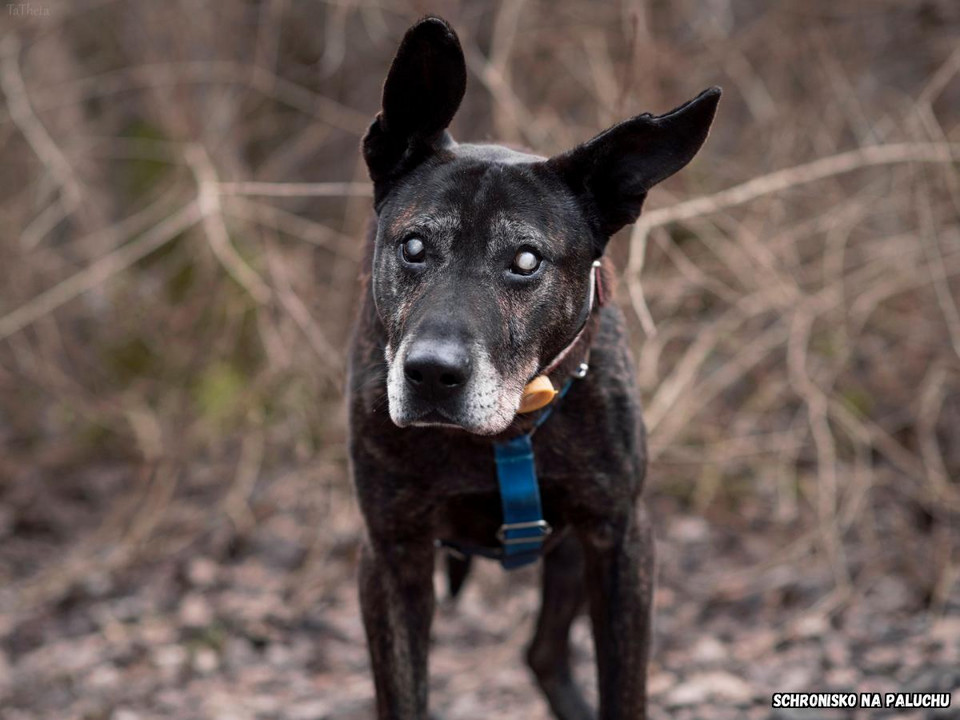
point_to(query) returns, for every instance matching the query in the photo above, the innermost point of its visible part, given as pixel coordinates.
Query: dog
(484, 290)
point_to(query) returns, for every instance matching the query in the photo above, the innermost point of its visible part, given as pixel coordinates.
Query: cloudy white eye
(525, 262)
(413, 250)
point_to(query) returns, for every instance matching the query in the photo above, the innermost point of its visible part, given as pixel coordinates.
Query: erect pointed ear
(613, 172)
(422, 92)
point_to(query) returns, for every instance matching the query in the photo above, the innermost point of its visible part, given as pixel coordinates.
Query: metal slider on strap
(542, 525)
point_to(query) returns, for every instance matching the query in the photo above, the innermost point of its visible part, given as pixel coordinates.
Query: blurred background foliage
(172, 337)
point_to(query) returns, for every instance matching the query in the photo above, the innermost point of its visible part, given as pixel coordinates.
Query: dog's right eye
(413, 250)
(526, 262)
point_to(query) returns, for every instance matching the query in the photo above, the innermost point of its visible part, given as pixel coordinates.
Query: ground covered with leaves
(258, 618)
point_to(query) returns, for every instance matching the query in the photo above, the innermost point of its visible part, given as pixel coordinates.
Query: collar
(539, 392)
(595, 294)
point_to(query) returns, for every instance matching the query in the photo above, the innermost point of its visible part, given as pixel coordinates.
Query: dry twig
(104, 268)
(208, 200)
(53, 159)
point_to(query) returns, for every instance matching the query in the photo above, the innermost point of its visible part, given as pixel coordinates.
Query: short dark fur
(431, 479)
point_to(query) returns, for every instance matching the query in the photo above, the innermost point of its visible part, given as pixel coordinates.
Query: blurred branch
(101, 270)
(45, 221)
(268, 34)
(504, 34)
(825, 445)
(799, 175)
(36, 135)
(294, 225)
(773, 183)
(216, 229)
(514, 113)
(165, 75)
(270, 189)
(291, 302)
(938, 273)
(131, 226)
(940, 79)
(236, 504)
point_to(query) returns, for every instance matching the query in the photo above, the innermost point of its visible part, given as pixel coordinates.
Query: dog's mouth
(493, 417)
(437, 418)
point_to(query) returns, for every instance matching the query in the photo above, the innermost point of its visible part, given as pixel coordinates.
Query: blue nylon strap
(524, 530)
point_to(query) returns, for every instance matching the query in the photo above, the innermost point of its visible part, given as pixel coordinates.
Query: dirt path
(266, 628)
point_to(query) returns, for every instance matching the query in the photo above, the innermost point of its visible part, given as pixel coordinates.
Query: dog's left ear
(422, 92)
(612, 173)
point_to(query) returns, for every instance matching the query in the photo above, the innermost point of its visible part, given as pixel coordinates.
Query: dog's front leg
(397, 600)
(619, 574)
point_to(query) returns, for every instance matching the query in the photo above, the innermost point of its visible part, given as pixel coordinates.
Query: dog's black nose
(437, 369)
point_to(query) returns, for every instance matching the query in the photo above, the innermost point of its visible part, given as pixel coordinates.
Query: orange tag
(538, 393)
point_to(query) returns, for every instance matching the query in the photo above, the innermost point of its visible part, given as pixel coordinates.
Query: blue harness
(524, 530)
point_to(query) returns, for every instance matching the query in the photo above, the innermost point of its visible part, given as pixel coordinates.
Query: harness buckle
(542, 525)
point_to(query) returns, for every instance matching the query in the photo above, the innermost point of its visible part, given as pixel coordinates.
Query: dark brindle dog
(481, 275)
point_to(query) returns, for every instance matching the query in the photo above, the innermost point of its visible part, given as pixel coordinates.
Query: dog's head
(481, 268)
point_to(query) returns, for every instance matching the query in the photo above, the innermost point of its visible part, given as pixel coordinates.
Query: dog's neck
(573, 361)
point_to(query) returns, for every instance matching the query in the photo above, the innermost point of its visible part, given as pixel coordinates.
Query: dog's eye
(525, 262)
(413, 250)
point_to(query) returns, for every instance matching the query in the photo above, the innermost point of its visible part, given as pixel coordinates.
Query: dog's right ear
(422, 92)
